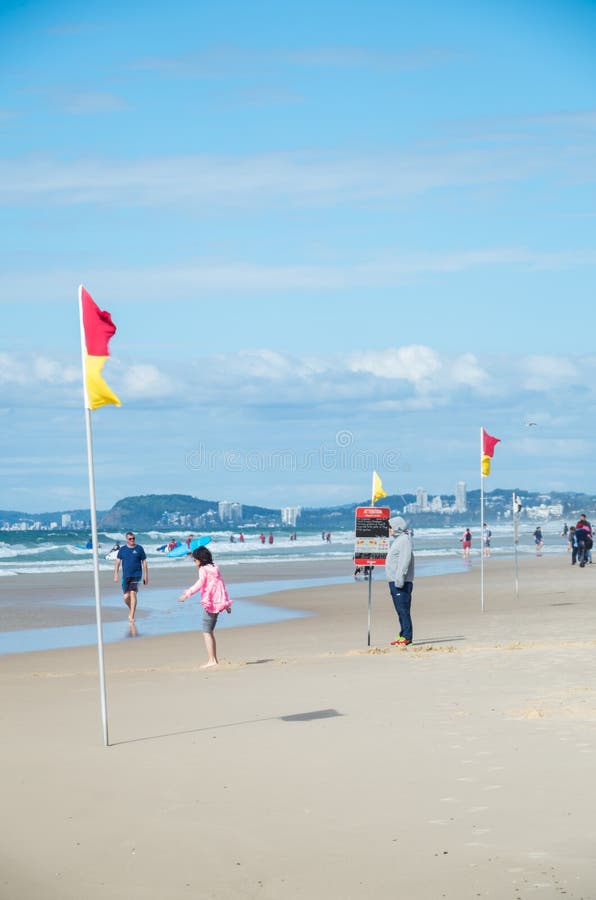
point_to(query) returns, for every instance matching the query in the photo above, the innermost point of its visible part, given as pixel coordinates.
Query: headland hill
(162, 512)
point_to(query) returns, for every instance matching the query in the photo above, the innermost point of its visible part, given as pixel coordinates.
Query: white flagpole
(370, 568)
(515, 506)
(481, 526)
(94, 539)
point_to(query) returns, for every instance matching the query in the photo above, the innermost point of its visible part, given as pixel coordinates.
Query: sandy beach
(309, 765)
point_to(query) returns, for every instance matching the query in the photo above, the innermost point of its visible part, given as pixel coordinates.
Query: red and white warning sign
(372, 535)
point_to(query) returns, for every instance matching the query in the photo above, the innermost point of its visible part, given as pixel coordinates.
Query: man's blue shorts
(130, 584)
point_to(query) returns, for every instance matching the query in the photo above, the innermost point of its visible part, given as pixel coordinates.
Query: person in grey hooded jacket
(399, 570)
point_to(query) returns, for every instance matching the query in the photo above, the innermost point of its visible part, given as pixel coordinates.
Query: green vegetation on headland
(163, 512)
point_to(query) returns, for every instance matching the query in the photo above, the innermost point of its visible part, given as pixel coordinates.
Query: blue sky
(333, 237)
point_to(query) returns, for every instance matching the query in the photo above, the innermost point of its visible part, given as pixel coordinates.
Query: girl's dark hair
(202, 555)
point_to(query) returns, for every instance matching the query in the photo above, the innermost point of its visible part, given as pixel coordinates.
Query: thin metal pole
(370, 568)
(481, 527)
(370, 576)
(95, 541)
(94, 538)
(515, 543)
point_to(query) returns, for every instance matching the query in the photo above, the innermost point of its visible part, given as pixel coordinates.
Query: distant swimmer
(486, 536)
(539, 541)
(466, 542)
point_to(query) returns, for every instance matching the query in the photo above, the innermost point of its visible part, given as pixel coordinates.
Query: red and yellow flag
(98, 328)
(488, 448)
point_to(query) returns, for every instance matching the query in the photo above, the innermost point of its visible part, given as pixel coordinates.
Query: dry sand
(309, 765)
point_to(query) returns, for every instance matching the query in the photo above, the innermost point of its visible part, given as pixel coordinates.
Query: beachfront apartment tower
(461, 497)
(289, 515)
(422, 500)
(229, 511)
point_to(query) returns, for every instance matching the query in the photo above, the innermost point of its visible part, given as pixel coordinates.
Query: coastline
(310, 765)
(66, 599)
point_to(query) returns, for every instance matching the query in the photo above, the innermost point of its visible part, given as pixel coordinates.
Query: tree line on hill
(164, 511)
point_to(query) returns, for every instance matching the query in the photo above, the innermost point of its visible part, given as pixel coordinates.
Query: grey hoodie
(399, 565)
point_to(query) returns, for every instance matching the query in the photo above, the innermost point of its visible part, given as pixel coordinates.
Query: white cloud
(406, 378)
(143, 380)
(188, 282)
(266, 364)
(466, 370)
(422, 367)
(302, 178)
(413, 363)
(35, 370)
(572, 448)
(224, 61)
(544, 372)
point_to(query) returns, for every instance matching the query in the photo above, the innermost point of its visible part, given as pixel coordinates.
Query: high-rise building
(461, 497)
(422, 499)
(229, 511)
(289, 515)
(66, 520)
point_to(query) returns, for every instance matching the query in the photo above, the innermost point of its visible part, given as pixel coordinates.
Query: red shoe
(399, 641)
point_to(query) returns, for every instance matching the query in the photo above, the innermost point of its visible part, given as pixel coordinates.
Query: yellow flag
(485, 465)
(377, 489)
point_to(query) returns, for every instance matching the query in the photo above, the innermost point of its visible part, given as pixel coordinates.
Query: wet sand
(309, 765)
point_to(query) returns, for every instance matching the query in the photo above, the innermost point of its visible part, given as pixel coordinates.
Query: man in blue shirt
(134, 568)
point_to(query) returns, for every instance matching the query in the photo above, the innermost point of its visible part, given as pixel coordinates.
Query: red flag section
(98, 326)
(489, 443)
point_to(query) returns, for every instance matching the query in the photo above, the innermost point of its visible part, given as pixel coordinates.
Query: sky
(333, 238)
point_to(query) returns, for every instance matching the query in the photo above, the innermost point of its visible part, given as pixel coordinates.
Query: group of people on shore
(580, 542)
(466, 541)
(579, 538)
(214, 595)
(132, 559)
(399, 572)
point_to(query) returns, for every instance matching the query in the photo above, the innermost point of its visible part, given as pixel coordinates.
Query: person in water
(466, 542)
(134, 568)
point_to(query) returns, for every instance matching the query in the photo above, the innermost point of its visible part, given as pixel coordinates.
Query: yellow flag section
(98, 329)
(488, 448)
(377, 489)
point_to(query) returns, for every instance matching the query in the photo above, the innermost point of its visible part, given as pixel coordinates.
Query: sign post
(371, 543)
(517, 507)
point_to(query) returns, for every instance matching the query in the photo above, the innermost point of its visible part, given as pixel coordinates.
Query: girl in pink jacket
(214, 599)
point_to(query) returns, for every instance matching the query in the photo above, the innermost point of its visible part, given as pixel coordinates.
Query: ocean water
(438, 551)
(31, 552)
